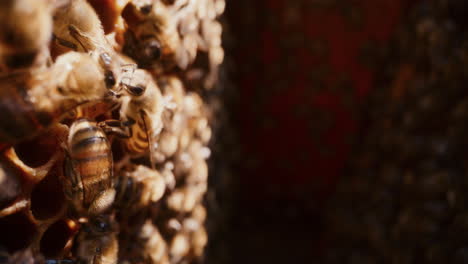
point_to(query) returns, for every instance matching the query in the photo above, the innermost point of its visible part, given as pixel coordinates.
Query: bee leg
(117, 127)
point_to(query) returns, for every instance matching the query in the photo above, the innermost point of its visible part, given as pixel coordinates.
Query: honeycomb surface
(89, 70)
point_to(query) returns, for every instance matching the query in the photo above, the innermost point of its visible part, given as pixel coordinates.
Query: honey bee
(152, 33)
(98, 243)
(74, 76)
(88, 169)
(89, 186)
(77, 26)
(138, 188)
(143, 108)
(31, 103)
(26, 31)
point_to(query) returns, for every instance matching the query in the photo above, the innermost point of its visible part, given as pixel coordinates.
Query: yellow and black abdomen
(89, 165)
(138, 142)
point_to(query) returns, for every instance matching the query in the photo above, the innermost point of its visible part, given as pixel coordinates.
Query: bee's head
(98, 225)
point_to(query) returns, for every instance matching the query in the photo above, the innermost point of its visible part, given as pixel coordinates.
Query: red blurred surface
(303, 74)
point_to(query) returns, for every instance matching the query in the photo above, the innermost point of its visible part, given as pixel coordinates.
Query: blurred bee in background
(143, 47)
(21, 119)
(152, 36)
(138, 189)
(26, 32)
(31, 103)
(78, 27)
(74, 77)
(165, 34)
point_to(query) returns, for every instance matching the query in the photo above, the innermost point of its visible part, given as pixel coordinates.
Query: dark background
(302, 70)
(296, 81)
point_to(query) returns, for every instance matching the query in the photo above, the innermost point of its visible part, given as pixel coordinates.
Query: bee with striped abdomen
(141, 115)
(89, 186)
(88, 169)
(146, 110)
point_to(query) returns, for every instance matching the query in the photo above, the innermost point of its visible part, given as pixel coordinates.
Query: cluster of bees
(100, 108)
(403, 199)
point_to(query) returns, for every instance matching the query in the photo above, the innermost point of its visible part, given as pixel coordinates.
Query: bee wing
(86, 42)
(149, 135)
(75, 189)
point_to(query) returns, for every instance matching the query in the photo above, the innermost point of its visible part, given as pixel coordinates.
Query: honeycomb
(90, 69)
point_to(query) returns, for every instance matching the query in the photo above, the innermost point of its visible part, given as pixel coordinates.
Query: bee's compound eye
(152, 50)
(103, 226)
(109, 79)
(146, 9)
(137, 90)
